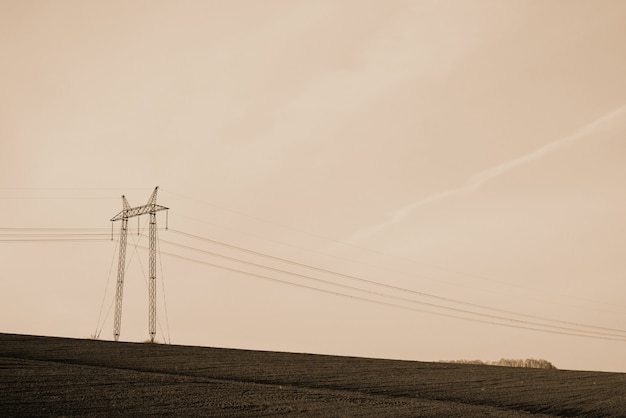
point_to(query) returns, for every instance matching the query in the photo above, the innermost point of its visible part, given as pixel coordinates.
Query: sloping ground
(57, 376)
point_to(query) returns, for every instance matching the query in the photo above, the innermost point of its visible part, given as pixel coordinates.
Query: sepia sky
(460, 164)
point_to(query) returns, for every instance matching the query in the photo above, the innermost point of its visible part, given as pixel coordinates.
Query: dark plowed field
(58, 376)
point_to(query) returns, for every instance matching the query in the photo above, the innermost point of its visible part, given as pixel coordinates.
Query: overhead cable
(396, 305)
(384, 285)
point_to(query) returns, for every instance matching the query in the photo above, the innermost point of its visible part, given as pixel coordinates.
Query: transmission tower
(150, 208)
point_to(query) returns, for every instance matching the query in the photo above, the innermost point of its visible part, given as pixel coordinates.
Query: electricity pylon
(150, 208)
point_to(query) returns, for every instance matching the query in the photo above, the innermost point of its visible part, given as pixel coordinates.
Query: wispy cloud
(478, 180)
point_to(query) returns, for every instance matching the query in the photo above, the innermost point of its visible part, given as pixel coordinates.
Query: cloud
(475, 182)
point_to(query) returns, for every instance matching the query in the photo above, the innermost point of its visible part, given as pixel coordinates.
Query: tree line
(506, 362)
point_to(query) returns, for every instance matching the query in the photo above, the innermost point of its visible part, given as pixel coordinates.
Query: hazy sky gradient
(472, 150)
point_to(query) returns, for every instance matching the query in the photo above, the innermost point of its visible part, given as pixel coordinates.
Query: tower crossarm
(138, 211)
(150, 207)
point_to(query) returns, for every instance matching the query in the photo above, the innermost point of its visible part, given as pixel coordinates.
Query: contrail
(478, 180)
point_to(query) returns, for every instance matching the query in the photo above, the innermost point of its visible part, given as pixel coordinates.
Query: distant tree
(528, 363)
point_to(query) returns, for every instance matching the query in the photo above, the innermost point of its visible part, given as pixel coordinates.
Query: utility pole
(127, 212)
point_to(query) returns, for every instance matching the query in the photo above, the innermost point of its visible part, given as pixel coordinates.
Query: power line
(55, 240)
(336, 293)
(391, 296)
(51, 235)
(52, 229)
(58, 234)
(54, 234)
(384, 285)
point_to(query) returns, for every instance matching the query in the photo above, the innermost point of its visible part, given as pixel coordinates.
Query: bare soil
(46, 376)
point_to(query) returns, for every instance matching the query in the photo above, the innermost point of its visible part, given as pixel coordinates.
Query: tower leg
(152, 282)
(121, 267)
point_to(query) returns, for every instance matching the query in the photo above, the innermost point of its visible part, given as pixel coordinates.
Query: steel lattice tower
(127, 212)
